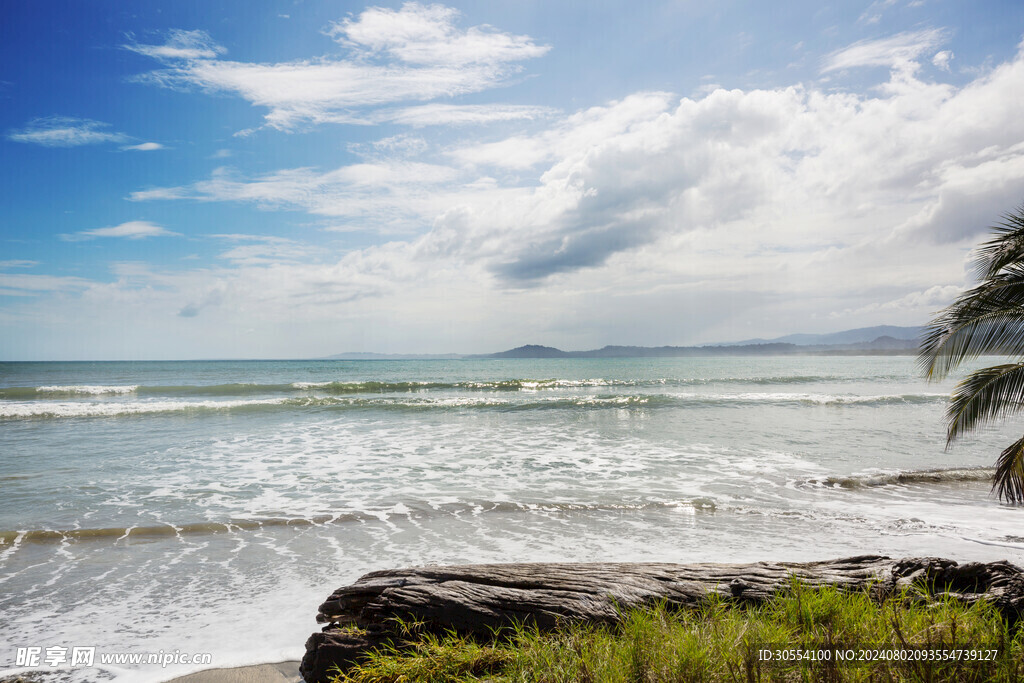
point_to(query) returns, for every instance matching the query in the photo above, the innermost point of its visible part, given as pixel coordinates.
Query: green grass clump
(432, 660)
(720, 641)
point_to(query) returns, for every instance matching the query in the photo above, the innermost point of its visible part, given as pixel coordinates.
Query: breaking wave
(938, 476)
(112, 534)
(381, 387)
(115, 408)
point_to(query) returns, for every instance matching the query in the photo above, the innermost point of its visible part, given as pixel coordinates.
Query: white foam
(816, 399)
(78, 409)
(88, 389)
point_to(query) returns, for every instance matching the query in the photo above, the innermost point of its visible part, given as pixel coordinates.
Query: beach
(281, 672)
(293, 293)
(199, 498)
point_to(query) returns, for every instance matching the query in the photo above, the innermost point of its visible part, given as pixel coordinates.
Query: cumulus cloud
(416, 53)
(134, 230)
(65, 131)
(649, 219)
(769, 179)
(922, 303)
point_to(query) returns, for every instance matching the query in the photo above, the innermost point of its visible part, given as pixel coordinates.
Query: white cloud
(134, 230)
(145, 147)
(181, 45)
(416, 53)
(65, 131)
(457, 115)
(650, 219)
(923, 304)
(384, 195)
(583, 129)
(898, 51)
(265, 249)
(759, 171)
(873, 14)
(18, 263)
(395, 146)
(427, 35)
(942, 59)
(23, 284)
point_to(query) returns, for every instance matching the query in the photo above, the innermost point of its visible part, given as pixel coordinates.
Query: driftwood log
(481, 598)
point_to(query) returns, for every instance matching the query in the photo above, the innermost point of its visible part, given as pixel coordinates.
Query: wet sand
(282, 672)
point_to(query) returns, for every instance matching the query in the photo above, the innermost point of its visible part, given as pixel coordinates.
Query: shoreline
(278, 672)
(274, 672)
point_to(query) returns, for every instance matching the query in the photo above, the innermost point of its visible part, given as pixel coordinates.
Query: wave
(40, 409)
(111, 534)
(83, 390)
(115, 533)
(831, 399)
(67, 390)
(70, 409)
(327, 387)
(383, 387)
(936, 476)
(54, 409)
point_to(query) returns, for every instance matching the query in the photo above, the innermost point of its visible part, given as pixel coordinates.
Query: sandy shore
(282, 672)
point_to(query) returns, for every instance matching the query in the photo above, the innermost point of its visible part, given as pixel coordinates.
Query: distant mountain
(857, 336)
(888, 345)
(880, 340)
(528, 351)
(887, 342)
(361, 355)
(882, 346)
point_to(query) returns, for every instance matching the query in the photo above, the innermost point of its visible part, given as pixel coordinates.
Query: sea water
(209, 507)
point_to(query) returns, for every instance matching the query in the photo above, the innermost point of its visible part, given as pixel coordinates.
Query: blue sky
(293, 179)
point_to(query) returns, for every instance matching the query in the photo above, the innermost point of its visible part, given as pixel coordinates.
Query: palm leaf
(986, 319)
(985, 395)
(1006, 248)
(995, 332)
(1008, 482)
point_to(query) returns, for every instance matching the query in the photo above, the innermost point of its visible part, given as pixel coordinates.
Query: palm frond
(986, 319)
(1005, 248)
(1008, 482)
(946, 346)
(985, 395)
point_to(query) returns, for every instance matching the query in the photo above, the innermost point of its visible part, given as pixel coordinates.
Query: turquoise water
(211, 506)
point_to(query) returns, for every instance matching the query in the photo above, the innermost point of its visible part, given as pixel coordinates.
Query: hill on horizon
(855, 336)
(881, 339)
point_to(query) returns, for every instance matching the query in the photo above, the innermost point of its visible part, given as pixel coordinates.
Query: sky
(193, 179)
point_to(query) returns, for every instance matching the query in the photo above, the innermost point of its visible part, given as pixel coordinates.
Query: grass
(720, 641)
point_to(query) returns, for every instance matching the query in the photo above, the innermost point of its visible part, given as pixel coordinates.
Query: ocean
(209, 507)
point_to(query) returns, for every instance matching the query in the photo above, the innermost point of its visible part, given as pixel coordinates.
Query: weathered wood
(484, 597)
